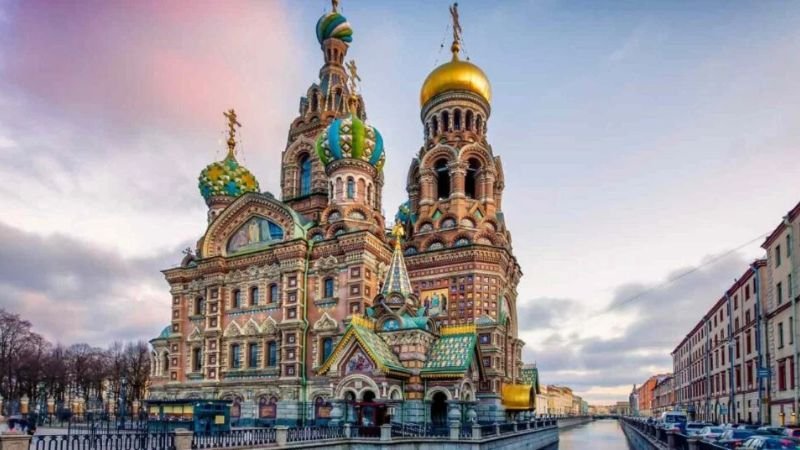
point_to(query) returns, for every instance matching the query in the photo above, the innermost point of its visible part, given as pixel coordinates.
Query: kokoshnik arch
(295, 308)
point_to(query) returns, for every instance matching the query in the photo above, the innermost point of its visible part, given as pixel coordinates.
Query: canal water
(604, 434)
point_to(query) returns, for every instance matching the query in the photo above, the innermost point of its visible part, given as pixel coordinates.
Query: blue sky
(639, 139)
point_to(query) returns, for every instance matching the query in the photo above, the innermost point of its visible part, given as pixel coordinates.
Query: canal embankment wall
(567, 422)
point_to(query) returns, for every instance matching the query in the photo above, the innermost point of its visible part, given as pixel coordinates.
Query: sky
(640, 140)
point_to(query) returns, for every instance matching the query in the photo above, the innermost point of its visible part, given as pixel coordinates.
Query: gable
(452, 354)
(252, 222)
(360, 349)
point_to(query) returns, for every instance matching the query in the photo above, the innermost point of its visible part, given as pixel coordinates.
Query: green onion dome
(351, 137)
(334, 25)
(226, 178)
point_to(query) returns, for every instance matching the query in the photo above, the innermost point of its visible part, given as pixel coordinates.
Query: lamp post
(121, 409)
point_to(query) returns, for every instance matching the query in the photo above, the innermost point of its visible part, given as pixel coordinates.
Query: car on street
(734, 438)
(791, 431)
(692, 428)
(670, 418)
(772, 430)
(770, 443)
(710, 433)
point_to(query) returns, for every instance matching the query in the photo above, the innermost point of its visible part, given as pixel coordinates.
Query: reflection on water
(603, 434)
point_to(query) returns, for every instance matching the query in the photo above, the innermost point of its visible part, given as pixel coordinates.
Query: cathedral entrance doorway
(439, 410)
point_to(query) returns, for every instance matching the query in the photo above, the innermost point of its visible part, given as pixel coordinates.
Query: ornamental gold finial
(456, 47)
(232, 124)
(352, 84)
(398, 232)
(335, 5)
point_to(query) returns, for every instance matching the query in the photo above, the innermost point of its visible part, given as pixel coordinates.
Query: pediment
(326, 323)
(252, 222)
(232, 330)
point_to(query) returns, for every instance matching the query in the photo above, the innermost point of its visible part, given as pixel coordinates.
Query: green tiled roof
(378, 348)
(361, 329)
(452, 353)
(530, 375)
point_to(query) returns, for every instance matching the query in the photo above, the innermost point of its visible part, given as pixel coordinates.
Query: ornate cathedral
(307, 306)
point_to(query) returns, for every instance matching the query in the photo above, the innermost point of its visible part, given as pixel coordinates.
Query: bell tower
(304, 184)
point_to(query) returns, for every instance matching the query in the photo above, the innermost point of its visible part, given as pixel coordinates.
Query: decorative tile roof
(362, 330)
(397, 281)
(452, 353)
(529, 375)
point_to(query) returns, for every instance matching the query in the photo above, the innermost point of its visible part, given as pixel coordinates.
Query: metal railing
(237, 437)
(313, 433)
(105, 441)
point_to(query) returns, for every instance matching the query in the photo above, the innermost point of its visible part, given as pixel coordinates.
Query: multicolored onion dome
(334, 25)
(226, 178)
(351, 138)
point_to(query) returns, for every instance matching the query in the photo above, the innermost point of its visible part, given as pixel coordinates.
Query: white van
(671, 418)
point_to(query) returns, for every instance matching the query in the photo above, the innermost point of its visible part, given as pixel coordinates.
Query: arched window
(478, 124)
(327, 348)
(237, 299)
(314, 101)
(435, 127)
(328, 291)
(470, 180)
(351, 188)
(305, 175)
(361, 194)
(273, 293)
(272, 354)
(339, 189)
(457, 120)
(236, 356)
(369, 194)
(197, 359)
(338, 100)
(442, 179)
(199, 304)
(468, 120)
(165, 363)
(445, 121)
(253, 295)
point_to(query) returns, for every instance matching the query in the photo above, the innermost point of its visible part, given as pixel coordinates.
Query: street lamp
(121, 409)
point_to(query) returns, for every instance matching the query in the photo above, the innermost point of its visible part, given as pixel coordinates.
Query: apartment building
(781, 312)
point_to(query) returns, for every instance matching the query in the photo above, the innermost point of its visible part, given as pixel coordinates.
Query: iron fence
(107, 441)
(237, 437)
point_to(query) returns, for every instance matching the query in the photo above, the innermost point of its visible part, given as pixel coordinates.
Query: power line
(684, 274)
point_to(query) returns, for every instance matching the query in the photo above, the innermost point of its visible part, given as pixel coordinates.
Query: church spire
(397, 281)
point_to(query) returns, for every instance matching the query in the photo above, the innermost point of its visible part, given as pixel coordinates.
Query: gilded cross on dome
(335, 5)
(232, 124)
(354, 79)
(456, 29)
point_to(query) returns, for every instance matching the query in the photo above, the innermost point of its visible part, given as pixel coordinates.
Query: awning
(518, 397)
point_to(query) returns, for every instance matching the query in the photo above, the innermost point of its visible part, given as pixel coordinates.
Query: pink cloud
(140, 61)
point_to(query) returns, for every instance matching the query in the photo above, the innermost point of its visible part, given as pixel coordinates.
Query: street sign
(763, 372)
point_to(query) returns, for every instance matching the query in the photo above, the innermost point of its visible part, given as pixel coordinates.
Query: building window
(273, 293)
(470, 180)
(252, 356)
(780, 335)
(199, 305)
(236, 354)
(237, 299)
(442, 179)
(351, 188)
(272, 354)
(779, 293)
(253, 296)
(782, 376)
(197, 359)
(327, 348)
(305, 175)
(788, 245)
(777, 255)
(328, 287)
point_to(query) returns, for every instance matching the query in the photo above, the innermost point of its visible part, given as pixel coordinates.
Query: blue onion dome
(334, 25)
(226, 178)
(351, 137)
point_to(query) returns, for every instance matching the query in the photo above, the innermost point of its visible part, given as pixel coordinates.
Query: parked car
(791, 432)
(710, 433)
(692, 428)
(746, 426)
(772, 430)
(734, 438)
(670, 418)
(770, 443)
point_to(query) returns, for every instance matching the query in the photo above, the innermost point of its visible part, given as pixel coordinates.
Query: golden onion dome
(455, 75)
